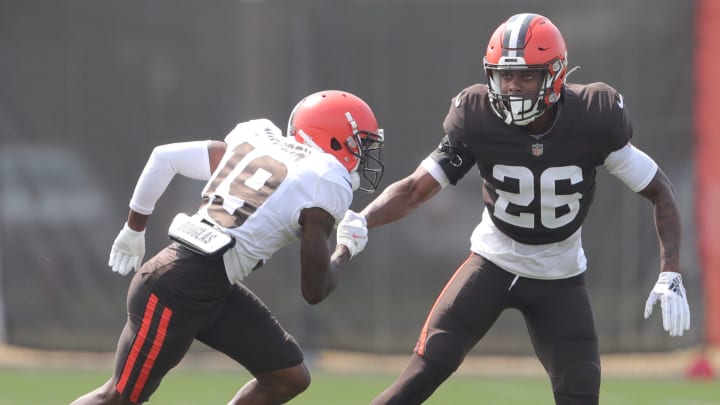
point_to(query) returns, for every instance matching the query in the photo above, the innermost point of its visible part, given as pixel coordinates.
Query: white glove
(673, 301)
(127, 251)
(352, 232)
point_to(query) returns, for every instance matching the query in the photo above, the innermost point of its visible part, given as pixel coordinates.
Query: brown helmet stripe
(513, 40)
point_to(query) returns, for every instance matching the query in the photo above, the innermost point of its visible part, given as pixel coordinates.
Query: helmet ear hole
(335, 145)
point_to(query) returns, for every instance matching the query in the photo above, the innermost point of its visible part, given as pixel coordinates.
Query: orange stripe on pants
(422, 340)
(139, 341)
(152, 356)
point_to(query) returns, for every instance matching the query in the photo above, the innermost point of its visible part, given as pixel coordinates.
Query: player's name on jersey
(198, 235)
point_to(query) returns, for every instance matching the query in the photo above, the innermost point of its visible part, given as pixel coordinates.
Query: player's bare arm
(661, 193)
(401, 198)
(318, 270)
(668, 289)
(216, 150)
(137, 221)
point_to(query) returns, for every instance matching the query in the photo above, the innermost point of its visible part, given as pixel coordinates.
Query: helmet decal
(307, 140)
(513, 40)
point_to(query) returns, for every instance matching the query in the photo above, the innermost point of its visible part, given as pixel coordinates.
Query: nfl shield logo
(537, 149)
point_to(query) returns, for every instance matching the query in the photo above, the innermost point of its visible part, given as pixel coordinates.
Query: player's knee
(446, 349)
(578, 383)
(415, 384)
(298, 382)
(288, 383)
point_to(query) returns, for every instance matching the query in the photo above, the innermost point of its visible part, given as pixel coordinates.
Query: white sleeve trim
(189, 159)
(435, 170)
(631, 165)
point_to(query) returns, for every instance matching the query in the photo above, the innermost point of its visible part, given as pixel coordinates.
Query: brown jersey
(538, 189)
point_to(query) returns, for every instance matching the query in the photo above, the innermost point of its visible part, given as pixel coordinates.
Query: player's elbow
(317, 281)
(313, 292)
(660, 190)
(313, 296)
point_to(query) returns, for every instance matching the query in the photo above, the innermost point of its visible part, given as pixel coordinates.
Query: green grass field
(24, 387)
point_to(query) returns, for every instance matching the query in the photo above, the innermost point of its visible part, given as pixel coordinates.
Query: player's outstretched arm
(661, 193)
(668, 289)
(401, 198)
(396, 201)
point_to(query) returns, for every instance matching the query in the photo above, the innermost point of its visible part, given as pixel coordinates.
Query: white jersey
(261, 185)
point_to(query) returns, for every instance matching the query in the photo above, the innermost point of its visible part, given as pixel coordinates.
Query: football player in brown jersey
(537, 142)
(263, 191)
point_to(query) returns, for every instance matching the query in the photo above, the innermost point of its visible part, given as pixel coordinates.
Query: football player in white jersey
(263, 191)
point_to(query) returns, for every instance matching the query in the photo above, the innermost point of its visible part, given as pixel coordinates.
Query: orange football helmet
(343, 125)
(526, 41)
